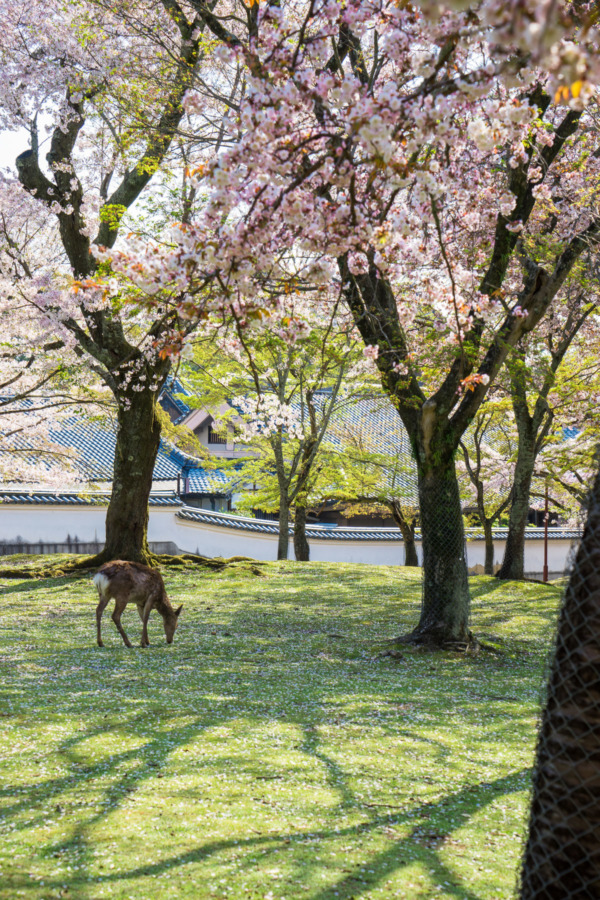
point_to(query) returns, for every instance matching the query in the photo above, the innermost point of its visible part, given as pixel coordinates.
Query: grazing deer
(130, 582)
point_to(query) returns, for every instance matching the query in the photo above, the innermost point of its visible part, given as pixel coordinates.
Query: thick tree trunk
(489, 548)
(138, 437)
(301, 546)
(513, 563)
(284, 527)
(411, 557)
(562, 857)
(446, 602)
(407, 529)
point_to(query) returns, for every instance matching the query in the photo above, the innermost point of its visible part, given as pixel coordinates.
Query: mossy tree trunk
(513, 563)
(138, 440)
(407, 528)
(283, 541)
(532, 428)
(488, 535)
(446, 601)
(301, 545)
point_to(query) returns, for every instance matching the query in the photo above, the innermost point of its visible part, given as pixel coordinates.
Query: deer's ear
(177, 611)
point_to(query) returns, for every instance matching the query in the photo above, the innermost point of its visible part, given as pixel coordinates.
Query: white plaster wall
(49, 523)
(212, 540)
(374, 553)
(560, 554)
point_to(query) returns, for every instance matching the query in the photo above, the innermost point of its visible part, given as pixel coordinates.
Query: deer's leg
(102, 604)
(116, 617)
(145, 615)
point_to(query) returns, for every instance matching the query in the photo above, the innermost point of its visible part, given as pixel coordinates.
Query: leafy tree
(534, 369)
(375, 472)
(428, 190)
(569, 460)
(489, 450)
(284, 384)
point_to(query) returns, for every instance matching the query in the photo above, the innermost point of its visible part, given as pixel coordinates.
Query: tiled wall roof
(331, 533)
(71, 498)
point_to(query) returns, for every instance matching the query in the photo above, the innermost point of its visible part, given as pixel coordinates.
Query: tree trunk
(562, 857)
(411, 557)
(301, 547)
(513, 563)
(407, 529)
(489, 548)
(446, 602)
(138, 438)
(284, 527)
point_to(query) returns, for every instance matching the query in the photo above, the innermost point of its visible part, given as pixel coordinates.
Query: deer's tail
(102, 583)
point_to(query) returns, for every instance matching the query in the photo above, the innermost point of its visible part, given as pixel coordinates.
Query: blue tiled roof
(95, 446)
(379, 429)
(68, 498)
(203, 482)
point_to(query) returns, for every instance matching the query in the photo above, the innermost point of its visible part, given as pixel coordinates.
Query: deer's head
(171, 622)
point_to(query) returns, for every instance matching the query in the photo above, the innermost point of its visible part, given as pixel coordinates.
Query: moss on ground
(271, 751)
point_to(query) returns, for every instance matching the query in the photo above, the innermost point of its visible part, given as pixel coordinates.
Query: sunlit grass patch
(271, 751)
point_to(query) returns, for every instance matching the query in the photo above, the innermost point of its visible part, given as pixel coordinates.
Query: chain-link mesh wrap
(562, 857)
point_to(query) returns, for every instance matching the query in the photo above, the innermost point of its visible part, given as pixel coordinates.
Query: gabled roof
(173, 389)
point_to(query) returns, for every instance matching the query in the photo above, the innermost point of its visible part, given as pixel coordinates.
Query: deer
(131, 582)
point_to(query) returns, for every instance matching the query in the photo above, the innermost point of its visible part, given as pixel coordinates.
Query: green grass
(270, 752)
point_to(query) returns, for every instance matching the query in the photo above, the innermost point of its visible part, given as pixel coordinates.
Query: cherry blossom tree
(106, 82)
(518, 447)
(416, 159)
(41, 381)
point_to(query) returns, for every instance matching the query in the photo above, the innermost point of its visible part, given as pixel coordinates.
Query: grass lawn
(270, 752)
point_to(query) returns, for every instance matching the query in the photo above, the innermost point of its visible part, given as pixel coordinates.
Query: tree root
(78, 566)
(154, 560)
(431, 641)
(215, 563)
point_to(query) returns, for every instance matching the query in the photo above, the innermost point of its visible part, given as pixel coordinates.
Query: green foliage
(271, 750)
(184, 439)
(299, 387)
(148, 165)
(112, 213)
(375, 467)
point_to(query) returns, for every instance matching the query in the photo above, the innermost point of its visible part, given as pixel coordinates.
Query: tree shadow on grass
(38, 584)
(428, 838)
(421, 845)
(430, 824)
